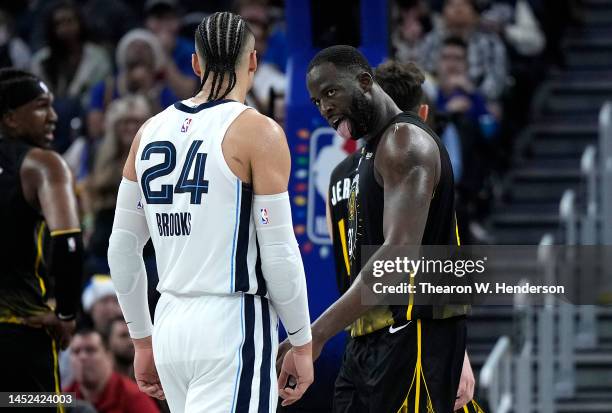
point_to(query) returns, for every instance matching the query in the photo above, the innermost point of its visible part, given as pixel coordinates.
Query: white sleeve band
(130, 234)
(281, 264)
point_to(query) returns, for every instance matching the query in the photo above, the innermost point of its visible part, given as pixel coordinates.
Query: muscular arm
(407, 161)
(130, 234)
(48, 185)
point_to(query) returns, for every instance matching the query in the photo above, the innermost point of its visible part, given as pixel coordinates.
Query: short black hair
(86, 329)
(455, 41)
(342, 56)
(402, 82)
(10, 78)
(219, 40)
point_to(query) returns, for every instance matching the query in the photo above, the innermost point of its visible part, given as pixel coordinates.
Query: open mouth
(336, 122)
(49, 131)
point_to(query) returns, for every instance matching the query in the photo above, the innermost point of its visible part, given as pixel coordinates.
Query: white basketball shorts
(216, 353)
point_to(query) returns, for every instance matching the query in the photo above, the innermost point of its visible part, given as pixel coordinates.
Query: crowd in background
(112, 64)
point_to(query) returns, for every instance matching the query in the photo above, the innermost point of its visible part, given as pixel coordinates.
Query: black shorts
(413, 367)
(30, 355)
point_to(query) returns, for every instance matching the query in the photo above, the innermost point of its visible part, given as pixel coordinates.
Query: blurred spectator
(121, 347)
(13, 51)
(69, 64)
(466, 130)
(109, 20)
(456, 92)
(269, 79)
(140, 60)
(99, 301)
(515, 22)
(414, 23)
(162, 19)
(97, 383)
(486, 52)
(123, 119)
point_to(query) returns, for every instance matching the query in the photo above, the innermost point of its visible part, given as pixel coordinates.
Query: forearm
(282, 266)
(339, 315)
(130, 233)
(66, 267)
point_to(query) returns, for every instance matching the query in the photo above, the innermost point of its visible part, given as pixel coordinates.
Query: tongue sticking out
(344, 130)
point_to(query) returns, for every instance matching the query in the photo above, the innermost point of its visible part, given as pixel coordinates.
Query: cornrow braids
(219, 40)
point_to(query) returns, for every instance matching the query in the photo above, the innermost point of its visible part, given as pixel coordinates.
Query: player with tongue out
(402, 193)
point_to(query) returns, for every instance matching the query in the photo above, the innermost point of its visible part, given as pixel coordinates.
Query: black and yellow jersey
(340, 183)
(365, 223)
(23, 286)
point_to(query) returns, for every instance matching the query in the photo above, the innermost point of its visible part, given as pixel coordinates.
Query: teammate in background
(37, 197)
(409, 358)
(207, 180)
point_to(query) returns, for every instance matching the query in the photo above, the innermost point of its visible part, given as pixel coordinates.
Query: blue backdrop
(316, 150)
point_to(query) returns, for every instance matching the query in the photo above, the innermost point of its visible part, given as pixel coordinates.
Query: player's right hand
(297, 369)
(60, 330)
(145, 371)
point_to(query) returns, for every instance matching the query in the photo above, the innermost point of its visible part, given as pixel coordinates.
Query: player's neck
(237, 93)
(387, 110)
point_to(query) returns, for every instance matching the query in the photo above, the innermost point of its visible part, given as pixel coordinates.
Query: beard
(362, 116)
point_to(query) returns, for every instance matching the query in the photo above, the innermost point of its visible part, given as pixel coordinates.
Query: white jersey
(198, 212)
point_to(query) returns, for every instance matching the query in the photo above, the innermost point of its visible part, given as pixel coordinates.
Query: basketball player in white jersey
(207, 179)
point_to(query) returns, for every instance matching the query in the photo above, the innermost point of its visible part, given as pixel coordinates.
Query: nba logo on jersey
(139, 205)
(186, 124)
(264, 216)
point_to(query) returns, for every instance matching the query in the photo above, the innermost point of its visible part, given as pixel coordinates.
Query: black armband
(66, 268)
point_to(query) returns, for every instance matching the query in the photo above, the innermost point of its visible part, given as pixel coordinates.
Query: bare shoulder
(258, 131)
(404, 147)
(45, 164)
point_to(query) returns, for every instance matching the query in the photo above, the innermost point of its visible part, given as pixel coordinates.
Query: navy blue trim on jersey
(241, 266)
(266, 360)
(248, 356)
(262, 290)
(195, 109)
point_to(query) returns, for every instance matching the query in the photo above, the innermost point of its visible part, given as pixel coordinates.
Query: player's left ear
(365, 81)
(424, 112)
(195, 65)
(9, 119)
(253, 61)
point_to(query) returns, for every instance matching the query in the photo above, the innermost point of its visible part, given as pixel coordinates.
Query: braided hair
(219, 39)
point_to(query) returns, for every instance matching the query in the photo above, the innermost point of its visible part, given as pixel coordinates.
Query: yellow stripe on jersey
(344, 247)
(457, 231)
(410, 301)
(418, 369)
(12, 319)
(60, 407)
(65, 231)
(39, 257)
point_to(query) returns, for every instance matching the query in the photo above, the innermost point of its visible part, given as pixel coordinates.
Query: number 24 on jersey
(195, 186)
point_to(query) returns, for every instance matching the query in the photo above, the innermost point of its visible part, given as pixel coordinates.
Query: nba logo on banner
(264, 216)
(186, 124)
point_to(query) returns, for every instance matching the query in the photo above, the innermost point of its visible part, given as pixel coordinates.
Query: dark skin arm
(47, 185)
(408, 165)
